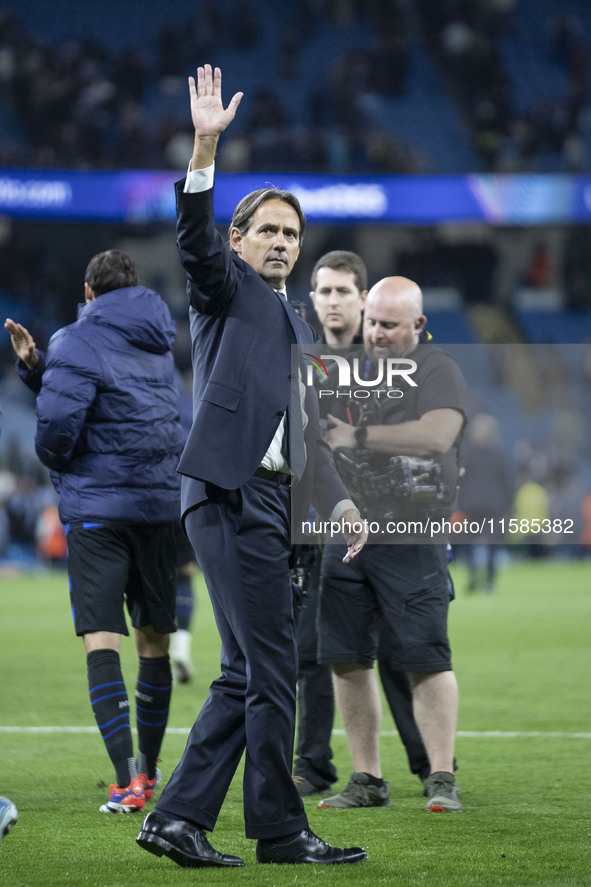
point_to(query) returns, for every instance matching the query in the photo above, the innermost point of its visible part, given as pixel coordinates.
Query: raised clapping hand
(207, 111)
(22, 342)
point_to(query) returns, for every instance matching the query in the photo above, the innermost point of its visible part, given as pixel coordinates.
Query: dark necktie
(295, 430)
(294, 446)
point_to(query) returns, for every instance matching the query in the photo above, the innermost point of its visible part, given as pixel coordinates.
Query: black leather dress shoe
(308, 847)
(182, 842)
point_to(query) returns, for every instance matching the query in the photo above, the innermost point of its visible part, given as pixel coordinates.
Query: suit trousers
(242, 543)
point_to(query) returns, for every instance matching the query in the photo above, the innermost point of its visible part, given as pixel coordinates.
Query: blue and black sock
(152, 702)
(110, 706)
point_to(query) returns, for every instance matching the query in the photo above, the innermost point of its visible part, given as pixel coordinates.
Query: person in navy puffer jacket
(108, 429)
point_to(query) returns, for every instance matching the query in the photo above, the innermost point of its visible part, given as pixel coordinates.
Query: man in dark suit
(236, 509)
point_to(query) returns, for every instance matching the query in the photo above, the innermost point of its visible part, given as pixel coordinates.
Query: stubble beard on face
(276, 283)
(387, 349)
(335, 324)
(275, 280)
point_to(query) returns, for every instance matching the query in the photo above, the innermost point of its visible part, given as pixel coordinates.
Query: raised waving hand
(209, 116)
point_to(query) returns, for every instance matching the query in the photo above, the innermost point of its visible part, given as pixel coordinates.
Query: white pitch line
(470, 734)
(501, 734)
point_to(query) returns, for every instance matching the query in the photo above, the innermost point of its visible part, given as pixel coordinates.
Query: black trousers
(242, 543)
(398, 692)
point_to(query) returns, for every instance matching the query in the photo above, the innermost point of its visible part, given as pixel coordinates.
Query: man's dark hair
(341, 260)
(111, 270)
(244, 212)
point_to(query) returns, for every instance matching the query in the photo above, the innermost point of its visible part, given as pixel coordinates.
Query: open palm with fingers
(209, 116)
(22, 342)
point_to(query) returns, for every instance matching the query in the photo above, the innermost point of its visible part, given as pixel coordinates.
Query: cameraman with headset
(339, 289)
(404, 450)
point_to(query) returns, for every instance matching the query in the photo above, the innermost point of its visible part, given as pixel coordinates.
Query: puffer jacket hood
(142, 320)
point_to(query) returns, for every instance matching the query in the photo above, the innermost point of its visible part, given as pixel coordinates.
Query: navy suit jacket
(242, 332)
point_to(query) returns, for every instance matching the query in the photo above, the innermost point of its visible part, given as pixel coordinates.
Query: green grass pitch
(523, 661)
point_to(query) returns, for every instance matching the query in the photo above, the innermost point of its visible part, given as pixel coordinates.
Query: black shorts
(403, 589)
(113, 565)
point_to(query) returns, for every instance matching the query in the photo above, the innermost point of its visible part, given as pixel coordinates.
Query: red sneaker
(125, 800)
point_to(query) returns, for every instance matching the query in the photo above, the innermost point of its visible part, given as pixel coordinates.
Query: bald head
(399, 292)
(393, 318)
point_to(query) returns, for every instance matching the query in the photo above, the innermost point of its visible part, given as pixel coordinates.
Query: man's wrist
(360, 435)
(341, 508)
(30, 362)
(204, 150)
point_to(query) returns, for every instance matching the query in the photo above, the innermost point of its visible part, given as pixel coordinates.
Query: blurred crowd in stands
(31, 532)
(466, 38)
(83, 103)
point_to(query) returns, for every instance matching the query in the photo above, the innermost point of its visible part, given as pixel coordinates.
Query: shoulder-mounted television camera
(405, 478)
